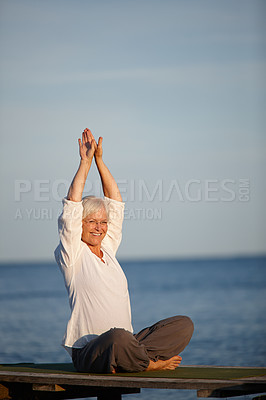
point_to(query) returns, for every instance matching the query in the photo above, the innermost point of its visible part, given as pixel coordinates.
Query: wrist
(86, 160)
(98, 159)
(85, 165)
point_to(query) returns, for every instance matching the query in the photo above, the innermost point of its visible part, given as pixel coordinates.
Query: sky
(177, 91)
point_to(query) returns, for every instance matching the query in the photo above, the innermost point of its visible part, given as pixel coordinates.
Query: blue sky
(177, 90)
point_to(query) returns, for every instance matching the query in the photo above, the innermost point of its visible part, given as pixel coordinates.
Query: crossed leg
(154, 348)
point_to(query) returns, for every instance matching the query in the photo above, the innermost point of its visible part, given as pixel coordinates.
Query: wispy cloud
(189, 75)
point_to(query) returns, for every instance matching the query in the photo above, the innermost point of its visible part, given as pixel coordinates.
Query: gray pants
(121, 350)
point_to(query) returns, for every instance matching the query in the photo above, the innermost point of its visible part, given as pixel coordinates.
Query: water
(226, 299)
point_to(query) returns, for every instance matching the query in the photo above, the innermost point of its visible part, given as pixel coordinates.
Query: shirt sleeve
(113, 236)
(70, 231)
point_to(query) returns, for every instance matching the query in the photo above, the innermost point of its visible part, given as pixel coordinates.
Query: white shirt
(97, 291)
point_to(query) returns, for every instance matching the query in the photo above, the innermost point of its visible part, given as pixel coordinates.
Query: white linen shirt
(97, 291)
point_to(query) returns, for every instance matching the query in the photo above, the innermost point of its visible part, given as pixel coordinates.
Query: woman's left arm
(110, 188)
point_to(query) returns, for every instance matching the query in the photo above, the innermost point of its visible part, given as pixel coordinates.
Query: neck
(96, 250)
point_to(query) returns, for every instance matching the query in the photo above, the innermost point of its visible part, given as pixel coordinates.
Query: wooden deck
(57, 381)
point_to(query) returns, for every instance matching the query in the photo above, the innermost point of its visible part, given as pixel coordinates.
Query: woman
(99, 335)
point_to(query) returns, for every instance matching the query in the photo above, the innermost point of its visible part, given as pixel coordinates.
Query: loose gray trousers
(121, 350)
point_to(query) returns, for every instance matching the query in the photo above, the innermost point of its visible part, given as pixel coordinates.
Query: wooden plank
(4, 392)
(85, 385)
(120, 381)
(24, 391)
(47, 388)
(233, 391)
(186, 372)
(189, 371)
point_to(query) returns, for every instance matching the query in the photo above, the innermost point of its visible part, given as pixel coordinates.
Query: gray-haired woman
(99, 334)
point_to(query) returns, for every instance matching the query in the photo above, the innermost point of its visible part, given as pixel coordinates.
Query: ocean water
(226, 299)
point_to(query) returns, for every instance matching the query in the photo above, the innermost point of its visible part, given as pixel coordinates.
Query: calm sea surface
(226, 299)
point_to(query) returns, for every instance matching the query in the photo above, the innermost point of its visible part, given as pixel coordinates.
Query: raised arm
(110, 188)
(87, 147)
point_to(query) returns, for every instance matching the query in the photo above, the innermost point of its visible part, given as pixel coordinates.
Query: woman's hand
(87, 146)
(99, 150)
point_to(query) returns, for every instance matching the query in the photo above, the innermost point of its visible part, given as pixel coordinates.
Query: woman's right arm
(70, 221)
(87, 147)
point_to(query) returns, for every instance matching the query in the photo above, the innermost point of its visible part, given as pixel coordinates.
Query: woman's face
(94, 228)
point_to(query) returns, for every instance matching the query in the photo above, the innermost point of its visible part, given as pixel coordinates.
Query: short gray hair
(93, 204)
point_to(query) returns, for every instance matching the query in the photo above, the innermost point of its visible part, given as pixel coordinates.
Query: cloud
(198, 74)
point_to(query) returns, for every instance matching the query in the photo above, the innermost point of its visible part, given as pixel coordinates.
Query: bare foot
(159, 365)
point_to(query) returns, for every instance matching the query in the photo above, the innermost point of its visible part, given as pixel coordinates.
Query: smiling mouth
(95, 234)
